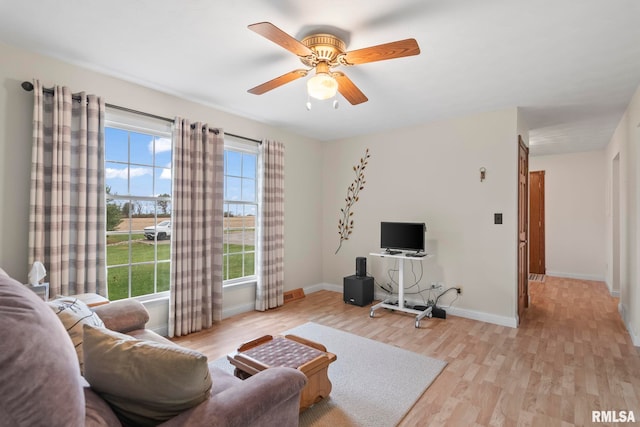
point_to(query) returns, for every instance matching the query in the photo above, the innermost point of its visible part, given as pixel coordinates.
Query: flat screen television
(403, 236)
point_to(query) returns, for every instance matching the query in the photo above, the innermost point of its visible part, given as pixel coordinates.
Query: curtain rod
(28, 86)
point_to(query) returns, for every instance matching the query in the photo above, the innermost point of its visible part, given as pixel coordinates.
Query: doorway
(537, 263)
(523, 215)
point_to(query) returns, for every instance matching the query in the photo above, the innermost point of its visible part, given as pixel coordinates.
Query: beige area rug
(536, 277)
(374, 384)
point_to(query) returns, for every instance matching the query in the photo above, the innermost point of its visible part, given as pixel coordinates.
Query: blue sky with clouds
(139, 165)
(149, 172)
(240, 182)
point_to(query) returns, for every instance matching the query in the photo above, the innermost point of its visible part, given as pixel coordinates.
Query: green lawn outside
(117, 238)
(141, 251)
(142, 275)
(141, 278)
(234, 261)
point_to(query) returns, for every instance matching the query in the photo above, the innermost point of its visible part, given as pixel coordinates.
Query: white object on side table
(420, 314)
(41, 289)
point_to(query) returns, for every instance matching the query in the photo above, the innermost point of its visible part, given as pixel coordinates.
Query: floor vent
(293, 295)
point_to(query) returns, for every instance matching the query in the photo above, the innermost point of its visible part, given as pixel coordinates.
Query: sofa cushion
(74, 313)
(40, 381)
(124, 315)
(149, 335)
(98, 412)
(144, 382)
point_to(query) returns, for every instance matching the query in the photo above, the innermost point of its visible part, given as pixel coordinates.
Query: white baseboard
(467, 314)
(455, 311)
(244, 308)
(623, 314)
(237, 309)
(510, 322)
(321, 287)
(460, 312)
(575, 276)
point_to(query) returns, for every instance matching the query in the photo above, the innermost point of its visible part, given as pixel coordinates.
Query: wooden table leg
(318, 387)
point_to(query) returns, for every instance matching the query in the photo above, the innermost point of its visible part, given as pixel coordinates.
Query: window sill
(164, 296)
(152, 298)
(240, 284)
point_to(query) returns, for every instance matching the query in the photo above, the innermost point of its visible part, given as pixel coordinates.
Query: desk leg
(425, 313)
(400, 307)
(401, 285)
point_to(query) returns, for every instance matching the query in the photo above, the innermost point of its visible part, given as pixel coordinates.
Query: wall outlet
(459, 289)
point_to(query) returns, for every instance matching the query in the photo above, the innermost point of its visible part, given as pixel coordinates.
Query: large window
(240, 211)
(138, 156)
(138, 186)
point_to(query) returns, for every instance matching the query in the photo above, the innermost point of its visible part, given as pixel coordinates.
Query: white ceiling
(571, 65)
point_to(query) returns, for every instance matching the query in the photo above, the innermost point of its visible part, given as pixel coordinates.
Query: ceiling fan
(323, 52)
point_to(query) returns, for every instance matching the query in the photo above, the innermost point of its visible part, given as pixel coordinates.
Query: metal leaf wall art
(345, 222)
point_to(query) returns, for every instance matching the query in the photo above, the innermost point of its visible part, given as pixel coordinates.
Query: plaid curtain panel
(196, 241)
(67, 194)
(270, 287)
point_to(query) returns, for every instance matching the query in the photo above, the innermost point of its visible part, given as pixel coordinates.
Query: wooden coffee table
(310, 358)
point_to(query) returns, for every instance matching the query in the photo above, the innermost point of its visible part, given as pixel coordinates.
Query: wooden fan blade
(279, 37)
(348, 89)
(381, 52)
(277, 82)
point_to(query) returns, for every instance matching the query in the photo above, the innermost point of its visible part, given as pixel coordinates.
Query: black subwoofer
(358, 290)
(361, 266)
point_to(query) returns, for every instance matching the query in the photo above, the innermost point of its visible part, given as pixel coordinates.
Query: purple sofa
(41, 384)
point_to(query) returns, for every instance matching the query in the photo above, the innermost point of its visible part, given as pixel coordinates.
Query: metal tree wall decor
(345, 222)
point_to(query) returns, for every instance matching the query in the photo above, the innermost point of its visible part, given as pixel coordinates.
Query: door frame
(522, 248)
(537, 240)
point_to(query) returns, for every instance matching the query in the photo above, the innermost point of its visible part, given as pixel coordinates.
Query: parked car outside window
(162, 229)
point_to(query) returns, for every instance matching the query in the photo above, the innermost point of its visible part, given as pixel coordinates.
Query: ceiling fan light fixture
(322, 86)
(323, 52)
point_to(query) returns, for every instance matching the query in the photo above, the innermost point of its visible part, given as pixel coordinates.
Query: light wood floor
(570, 355)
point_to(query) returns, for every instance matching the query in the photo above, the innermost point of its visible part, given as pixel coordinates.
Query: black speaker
(361, 266)
(358, 290)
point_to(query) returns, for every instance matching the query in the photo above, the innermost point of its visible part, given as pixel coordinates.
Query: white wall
(431, 173)
(624, 144)
(426, 173)
(574, 213)
(303, 178)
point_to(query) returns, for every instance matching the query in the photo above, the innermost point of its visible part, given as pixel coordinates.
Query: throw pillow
(39, 375)
(74, 313)
(145, 382)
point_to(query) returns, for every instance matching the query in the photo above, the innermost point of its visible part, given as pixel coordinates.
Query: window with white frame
(240, 211)
(138, 157)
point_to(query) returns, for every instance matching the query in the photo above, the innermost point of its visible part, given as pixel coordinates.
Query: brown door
(523, 214)
(536, 223)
